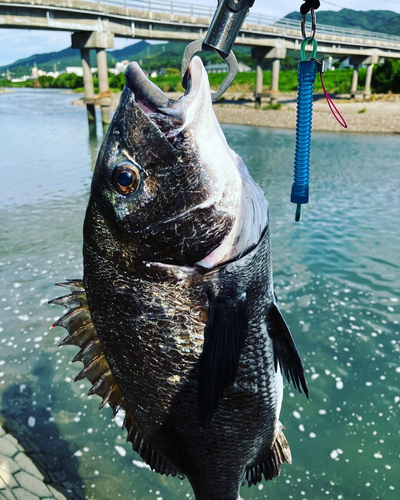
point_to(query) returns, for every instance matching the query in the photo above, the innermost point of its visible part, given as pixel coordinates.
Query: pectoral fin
(285, 350)
(224, 338)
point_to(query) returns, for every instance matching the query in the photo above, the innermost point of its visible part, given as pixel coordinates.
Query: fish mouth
(169, 115)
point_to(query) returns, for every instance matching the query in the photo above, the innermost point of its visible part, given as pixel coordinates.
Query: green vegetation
(386, 78)
(274, 107)
(362, 111)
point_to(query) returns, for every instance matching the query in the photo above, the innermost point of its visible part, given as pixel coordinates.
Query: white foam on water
(31, 421)
(140, 464)
(120, 450)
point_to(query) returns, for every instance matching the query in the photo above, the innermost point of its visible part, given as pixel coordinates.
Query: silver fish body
(176, 316)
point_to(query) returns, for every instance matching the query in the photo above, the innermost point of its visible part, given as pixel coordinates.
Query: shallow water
(337, 274)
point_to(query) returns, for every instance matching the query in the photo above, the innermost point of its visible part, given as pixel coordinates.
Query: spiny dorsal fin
(285, 351)
(268, 464)
(82, 333)
(224, 338)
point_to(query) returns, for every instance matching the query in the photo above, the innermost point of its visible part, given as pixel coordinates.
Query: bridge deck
(163, 20)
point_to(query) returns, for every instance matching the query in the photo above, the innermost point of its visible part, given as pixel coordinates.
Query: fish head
(166, 185)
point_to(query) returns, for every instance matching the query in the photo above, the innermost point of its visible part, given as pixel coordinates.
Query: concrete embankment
(381, 116)
(20, 478)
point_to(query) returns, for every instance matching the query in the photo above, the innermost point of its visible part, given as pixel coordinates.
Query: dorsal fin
(268, 463)
(82, 333)
(224, 338)
(285, 350)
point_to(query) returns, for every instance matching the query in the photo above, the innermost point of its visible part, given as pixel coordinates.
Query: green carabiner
(303, 48)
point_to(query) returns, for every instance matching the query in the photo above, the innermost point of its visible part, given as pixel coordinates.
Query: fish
(176, 316)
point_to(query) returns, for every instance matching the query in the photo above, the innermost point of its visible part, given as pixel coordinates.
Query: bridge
(95, 24)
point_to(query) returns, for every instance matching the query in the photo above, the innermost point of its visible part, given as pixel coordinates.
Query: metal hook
(199, 46)
(313, 26)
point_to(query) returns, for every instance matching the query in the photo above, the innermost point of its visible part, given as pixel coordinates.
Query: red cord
(333, 108)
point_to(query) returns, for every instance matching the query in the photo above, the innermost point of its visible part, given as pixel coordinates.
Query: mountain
(72, 57)
(151, 57)
(383, 21)
(169, 55)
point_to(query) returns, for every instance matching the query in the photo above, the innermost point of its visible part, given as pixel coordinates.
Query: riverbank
(380, 116)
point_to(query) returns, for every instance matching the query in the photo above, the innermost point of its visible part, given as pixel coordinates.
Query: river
(337, 274)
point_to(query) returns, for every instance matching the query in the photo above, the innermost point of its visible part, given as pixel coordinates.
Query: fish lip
(169, 115)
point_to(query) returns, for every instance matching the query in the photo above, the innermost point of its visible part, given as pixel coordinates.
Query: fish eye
(126, 178)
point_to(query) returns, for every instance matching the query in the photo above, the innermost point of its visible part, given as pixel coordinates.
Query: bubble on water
(398, 369)
(312, 435)
(368, 384)
(23, 317)
(120, 450)
(322, 412)
(314, 376)
(339, 384)
(260, 487)
(16, 284)
(119, 418)
(378, 455)
(296, 414)
(31, 421)
(302, 428)
(140, 464)
(90, 430)
(78, 453)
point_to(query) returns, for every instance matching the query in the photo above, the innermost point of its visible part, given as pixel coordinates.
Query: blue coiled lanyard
(307, 73)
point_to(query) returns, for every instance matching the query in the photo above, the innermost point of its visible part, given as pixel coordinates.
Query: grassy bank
(386, 78)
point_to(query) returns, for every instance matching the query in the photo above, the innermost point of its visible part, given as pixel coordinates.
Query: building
(223, 68)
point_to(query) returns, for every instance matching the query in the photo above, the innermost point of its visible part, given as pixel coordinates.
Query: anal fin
(269, 462)
(285, 350)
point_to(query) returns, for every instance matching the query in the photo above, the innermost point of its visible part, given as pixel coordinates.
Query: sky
(18, 44)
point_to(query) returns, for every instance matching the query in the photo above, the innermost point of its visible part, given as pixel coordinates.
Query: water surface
(337, 274)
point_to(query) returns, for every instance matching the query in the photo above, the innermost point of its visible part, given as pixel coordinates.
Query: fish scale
(176, 317)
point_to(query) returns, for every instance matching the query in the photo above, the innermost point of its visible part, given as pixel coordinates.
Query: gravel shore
(380, 116)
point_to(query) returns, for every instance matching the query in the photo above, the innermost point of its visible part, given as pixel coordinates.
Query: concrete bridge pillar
(261, 53)
(276, 67)
(357, 61)
(89, 91)
(354, 83)
(105, 99)
(368, 79)
(85, 41)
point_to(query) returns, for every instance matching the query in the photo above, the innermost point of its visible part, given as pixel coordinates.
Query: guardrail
(183, 8)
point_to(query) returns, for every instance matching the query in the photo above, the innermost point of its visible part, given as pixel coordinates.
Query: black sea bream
(176, 315)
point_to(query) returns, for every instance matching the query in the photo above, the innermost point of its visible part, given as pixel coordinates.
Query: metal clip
(313, 26)
(220, 37)
(320, 65)
(199, 46)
